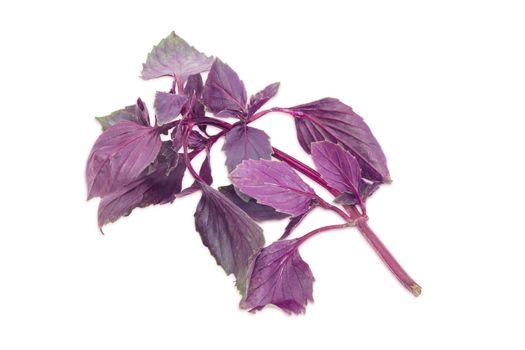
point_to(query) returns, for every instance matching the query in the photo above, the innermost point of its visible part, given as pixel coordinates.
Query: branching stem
(353, 218)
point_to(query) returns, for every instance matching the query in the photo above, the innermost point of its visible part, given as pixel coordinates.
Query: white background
(441, 85)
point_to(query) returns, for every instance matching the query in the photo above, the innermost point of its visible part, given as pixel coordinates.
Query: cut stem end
(416, 289)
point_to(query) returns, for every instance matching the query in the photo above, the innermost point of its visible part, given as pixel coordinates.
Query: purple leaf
(205, 170)
(127, 113)
(205, 174)
(337, 167)
(158, 184)
(263, 96)
(366, 189)
(121, 202)
(194, 87)
(168, 106)
(224, 93)
(196, 139)
(176, 136)
(164, 176)
(293, 223)
(137, 113)
(229, 233)
(256, 211)
(119, 155)
(141, 111)
(244, 142)
(194, 187)
(275, 184)
(279, 276)
(331, 120)
(174, 57)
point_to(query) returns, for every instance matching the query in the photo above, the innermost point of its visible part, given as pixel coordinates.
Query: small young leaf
(205, 170)
(229, 233)
(366, 189)
(137, 113)
(330, 119)
(205, 174)
(168, 106)
(258, 212)
(244, 142)
(174, 57)
(293, 223)
(158, 184)
(275, 184)
(194, 87)
(337, 167)
(119, 155)
(224, 93)
(141, 111)
(263, 96)
(196, 139)
(279, 276)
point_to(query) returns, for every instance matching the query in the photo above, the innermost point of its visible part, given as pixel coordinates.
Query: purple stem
(187, 158)
(383, 252)
(180, 86)
(331, 207)
(212, 121)
(262, 113)
(321, 229)
(305, 169)
(276, 109)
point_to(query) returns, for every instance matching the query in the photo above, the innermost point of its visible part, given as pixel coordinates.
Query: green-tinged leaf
(174, 57)
(229, 233)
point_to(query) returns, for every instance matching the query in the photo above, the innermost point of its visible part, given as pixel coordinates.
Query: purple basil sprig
(130, 166)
